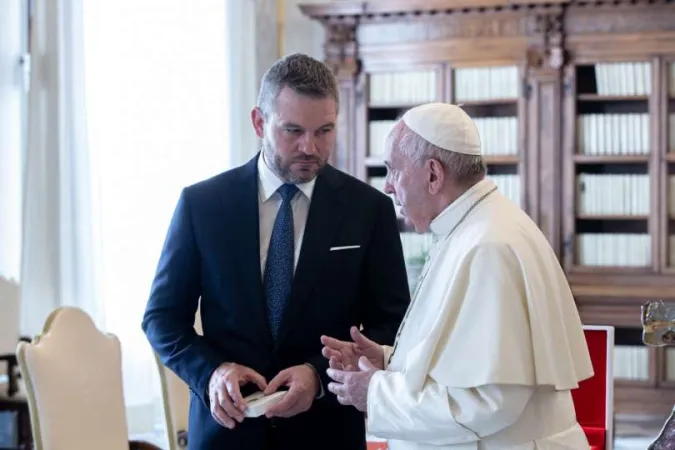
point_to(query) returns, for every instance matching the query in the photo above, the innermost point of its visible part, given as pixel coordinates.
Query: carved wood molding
(592, 17)
(341, 47)
(470, 25)
(416, 9)
(370, 24)
(546, 52)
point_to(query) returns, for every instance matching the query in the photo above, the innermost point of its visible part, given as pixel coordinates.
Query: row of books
(613, 134)
(499, 135)
(402, 88)
(613, 249)
(629, 78)
(611, 194)
(486, 83)
(623, 78)
(378, 130)
(598, 134)
(631, 362)
(421, 86)
(670, 363)
(509, 186)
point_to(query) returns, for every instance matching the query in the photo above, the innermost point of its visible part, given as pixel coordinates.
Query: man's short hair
(304, 74)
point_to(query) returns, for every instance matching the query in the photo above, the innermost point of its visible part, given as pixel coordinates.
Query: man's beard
(284, 171)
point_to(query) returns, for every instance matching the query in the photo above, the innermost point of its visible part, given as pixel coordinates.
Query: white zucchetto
(446, 126)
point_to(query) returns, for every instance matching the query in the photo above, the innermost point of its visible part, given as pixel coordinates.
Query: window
(13, 106)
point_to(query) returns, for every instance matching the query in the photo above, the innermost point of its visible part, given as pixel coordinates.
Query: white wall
(12, 29)
(301, 34)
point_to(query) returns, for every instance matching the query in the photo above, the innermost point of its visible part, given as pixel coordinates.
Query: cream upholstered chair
(176, 399)
(12, 389)
(73, 376)
(10, 385)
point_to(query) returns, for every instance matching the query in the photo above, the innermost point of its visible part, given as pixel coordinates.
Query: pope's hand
(303, 384)
(227, 404)
(351, 387)
(345, 355)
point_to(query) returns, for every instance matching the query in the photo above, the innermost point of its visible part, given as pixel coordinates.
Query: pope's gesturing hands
(345, 355)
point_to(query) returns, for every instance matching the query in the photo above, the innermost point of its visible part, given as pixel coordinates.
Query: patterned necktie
(280, 259)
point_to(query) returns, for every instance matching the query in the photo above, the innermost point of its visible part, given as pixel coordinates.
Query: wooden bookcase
(576, 106)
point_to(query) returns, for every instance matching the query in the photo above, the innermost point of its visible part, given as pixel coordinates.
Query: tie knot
(287, 191)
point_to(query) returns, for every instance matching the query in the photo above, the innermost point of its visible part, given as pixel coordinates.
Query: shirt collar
(453, 213)
(269, 182)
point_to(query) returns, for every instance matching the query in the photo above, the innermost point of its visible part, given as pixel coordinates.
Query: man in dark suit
(281, 251)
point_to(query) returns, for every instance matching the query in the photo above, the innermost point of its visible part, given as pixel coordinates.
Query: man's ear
(436, 175)
(258, 121)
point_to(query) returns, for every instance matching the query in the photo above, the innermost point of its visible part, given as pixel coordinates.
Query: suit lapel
(244, 228)
(323, 222)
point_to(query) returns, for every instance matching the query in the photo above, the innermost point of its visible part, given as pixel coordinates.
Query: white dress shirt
(269, 201)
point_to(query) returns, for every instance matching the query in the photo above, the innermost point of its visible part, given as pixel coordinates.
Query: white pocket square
(345, 247)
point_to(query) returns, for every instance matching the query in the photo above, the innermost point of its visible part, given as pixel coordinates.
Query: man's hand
(351, 387)
(303, 384)
(345, 355)
(227, 404)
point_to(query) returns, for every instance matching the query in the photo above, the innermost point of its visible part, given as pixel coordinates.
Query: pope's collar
(270, 182)
(453, 213)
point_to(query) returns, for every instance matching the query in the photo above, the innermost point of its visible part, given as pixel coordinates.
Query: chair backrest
(176, 398)
(9, 319)
(73, 376)
(594, 399)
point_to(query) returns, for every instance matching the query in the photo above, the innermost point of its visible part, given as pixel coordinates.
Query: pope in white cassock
(492, 343)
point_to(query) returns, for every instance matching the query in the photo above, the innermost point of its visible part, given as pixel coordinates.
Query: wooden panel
(548, 41)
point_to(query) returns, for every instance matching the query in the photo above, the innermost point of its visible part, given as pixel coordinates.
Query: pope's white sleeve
(439, 415)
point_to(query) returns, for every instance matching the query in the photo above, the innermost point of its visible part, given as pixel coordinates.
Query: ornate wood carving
(546, 40)
(639, 17)
(471, 25)
(342, 56)
(341, 47)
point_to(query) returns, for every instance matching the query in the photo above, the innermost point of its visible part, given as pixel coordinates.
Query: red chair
(594, 399)
(372, 445)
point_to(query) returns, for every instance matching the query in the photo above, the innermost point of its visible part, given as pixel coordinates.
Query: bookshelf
(575, 102)
(608, 167)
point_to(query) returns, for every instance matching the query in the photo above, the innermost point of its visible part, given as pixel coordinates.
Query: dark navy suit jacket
(212, 252)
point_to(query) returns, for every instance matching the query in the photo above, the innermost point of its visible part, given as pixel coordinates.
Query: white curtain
(131, 101)
(244, 79)
(56, 258)
(12, 106)
(152, 79)
(157, 85)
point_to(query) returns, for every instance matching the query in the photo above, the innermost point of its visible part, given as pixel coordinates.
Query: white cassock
(492, 342)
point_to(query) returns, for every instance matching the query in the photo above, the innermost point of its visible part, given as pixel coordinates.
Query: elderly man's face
(299, 136)
(409, 186)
